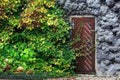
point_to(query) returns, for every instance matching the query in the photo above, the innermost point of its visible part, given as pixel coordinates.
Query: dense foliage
(33, 35)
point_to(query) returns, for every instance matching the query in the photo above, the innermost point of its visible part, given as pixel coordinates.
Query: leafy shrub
(34, 35)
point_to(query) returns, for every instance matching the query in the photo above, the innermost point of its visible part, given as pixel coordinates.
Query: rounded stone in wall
(118, 42)
(103, 9)
(117, 60)
(93, 3)
(113, 69)
(118, 34)
(110, 3)
(107, 62)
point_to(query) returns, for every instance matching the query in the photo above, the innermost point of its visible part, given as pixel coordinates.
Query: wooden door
(83, 38)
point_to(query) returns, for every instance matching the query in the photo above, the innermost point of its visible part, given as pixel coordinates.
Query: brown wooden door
(83, 37)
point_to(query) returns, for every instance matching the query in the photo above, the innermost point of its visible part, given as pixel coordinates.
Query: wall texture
(107, 13)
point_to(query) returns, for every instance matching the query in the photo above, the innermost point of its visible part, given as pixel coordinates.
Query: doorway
(83, 43)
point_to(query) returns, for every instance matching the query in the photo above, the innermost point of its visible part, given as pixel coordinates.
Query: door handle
(93, 30)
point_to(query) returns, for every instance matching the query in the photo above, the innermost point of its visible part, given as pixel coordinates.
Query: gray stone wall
(107, 13)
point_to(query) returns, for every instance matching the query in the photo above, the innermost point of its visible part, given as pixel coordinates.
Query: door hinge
(72, 24)
(93, 30)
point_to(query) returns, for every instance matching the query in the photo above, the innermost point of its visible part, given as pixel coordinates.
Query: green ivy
(34, 35)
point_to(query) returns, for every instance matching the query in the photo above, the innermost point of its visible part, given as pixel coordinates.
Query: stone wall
(107, 13)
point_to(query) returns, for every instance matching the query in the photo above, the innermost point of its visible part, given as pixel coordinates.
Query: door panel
(83, 37)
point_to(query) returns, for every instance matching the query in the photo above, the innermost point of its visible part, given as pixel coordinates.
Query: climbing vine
(34, 36)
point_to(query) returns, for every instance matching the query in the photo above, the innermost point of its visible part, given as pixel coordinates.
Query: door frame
(82, 16)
